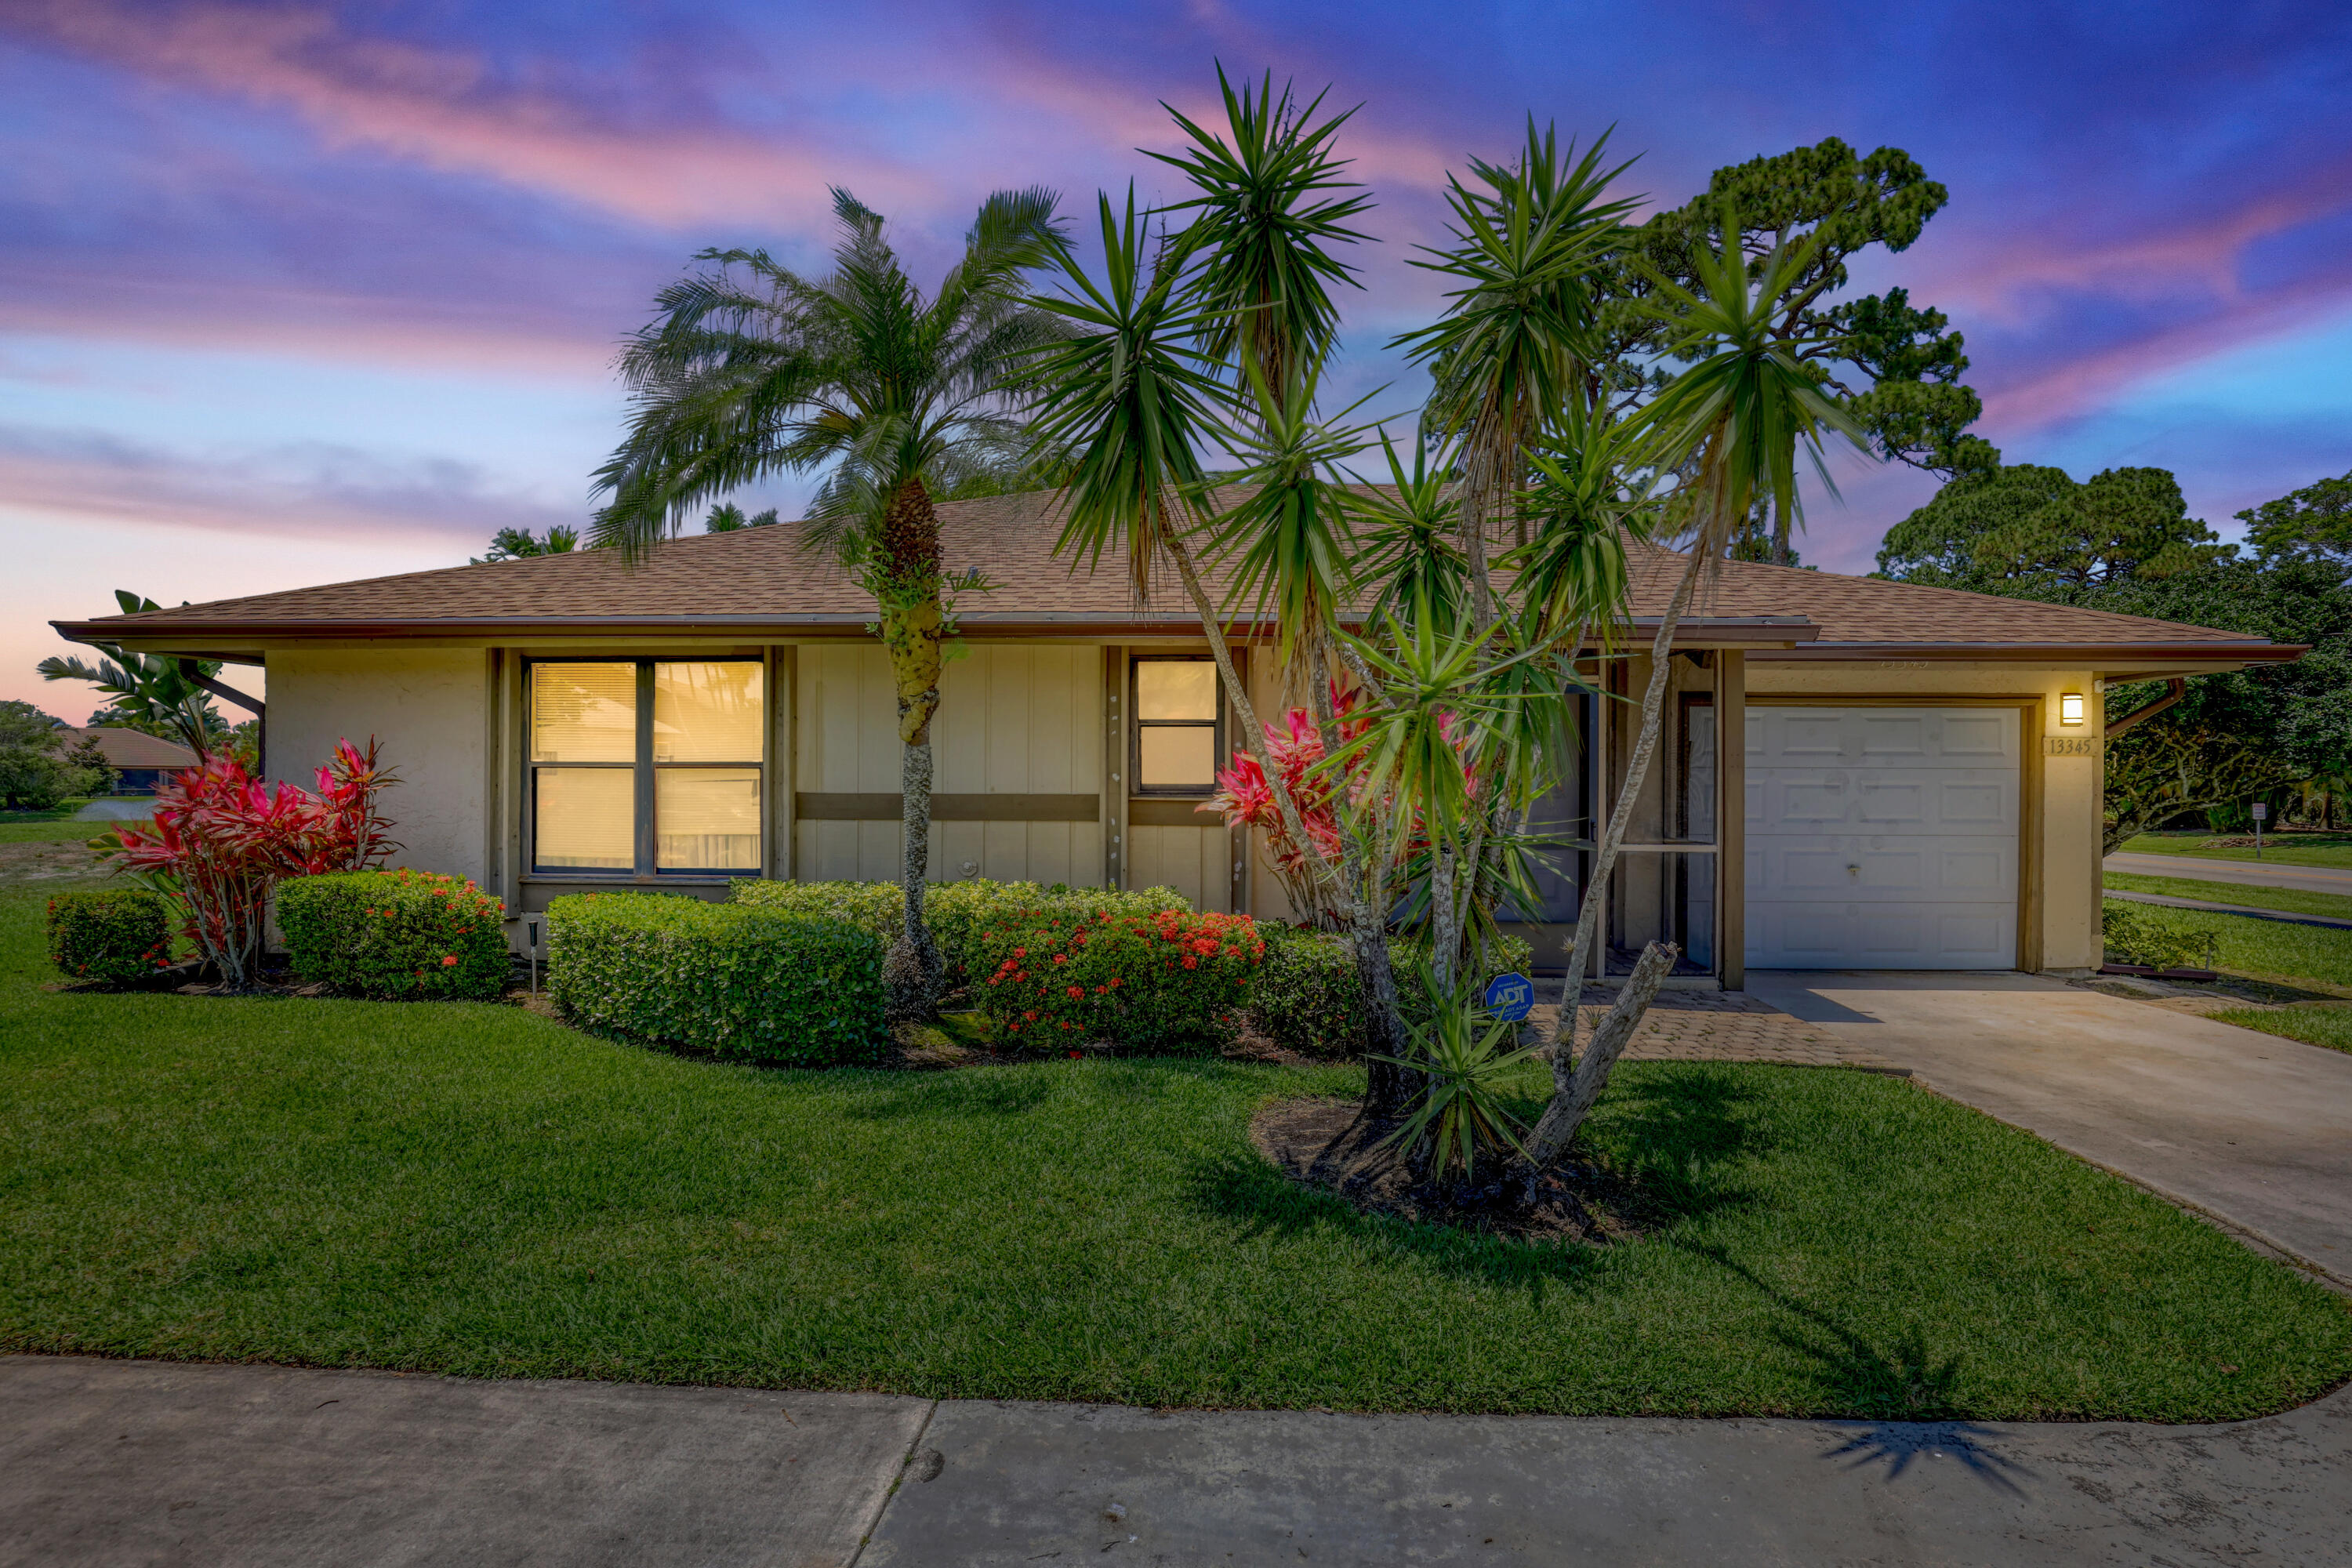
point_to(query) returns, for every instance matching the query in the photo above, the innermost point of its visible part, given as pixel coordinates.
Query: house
(141, 759)
(1917, 783)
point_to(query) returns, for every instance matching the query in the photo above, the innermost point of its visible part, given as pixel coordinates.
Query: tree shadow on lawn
(1683, 1127)
(1902, 1389)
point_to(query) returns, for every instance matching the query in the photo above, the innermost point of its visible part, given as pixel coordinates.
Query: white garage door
(1882, 838)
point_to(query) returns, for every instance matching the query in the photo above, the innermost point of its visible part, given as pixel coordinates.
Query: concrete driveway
(2248, 873)
(2255, 1129)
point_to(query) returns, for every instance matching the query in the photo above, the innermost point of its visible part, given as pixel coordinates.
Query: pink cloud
(308, 491)
(441, 107)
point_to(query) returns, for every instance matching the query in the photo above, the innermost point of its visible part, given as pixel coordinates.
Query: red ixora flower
(1191, 961)
(1075, 1054)
(450, 961)
(1076, 991)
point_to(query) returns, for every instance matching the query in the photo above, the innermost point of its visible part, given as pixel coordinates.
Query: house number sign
(2069, 745)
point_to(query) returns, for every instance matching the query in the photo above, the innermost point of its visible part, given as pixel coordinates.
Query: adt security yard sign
(1508, 997)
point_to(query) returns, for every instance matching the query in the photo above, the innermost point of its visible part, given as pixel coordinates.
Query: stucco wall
(429, 706)
(2064, 896)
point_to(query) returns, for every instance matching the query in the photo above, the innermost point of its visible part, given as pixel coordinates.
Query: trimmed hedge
(396, 935)
(1059, 976)
(738, 980)
(118, 934)
(1307, 997)
(955, 911)
(878, 909)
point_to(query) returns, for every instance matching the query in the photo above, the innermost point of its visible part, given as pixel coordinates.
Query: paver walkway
(111, 1464)
(1724, 1026)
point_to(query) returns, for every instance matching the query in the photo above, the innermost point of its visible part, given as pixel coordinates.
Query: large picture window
(1179, 731)
(646, 766)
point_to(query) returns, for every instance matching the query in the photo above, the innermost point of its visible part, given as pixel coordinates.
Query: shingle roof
(134, 748)
(760, 580)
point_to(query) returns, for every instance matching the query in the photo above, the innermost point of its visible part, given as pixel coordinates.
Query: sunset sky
(296, 293)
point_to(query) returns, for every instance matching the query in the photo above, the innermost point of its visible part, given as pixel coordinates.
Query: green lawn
(471, 1189)
(2286, 900)
(2296, 849)
(2330, 1026)
(2269, 949)
(15, 827)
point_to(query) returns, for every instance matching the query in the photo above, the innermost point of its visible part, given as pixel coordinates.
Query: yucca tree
(751, 369)
(1511, 350)
(1736, 416)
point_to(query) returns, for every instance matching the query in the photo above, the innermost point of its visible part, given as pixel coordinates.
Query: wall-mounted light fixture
(2070, 708)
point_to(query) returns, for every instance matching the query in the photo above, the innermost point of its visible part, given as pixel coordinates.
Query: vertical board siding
(1013, 719)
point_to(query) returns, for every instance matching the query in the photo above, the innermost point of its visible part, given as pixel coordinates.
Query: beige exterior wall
(2063, 784)
(431, 709)
(1014, 719)
(1034, 718)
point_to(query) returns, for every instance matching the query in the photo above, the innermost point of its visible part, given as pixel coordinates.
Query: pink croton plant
(223, 840)
(1247, 800)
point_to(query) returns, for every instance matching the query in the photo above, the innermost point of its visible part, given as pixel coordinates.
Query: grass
(472, 1189)
(2329, 1026)
(2294, 849)
(2286, 900)
(2269, 950)
(15, 827)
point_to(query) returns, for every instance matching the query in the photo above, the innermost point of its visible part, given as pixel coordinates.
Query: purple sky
(296, 293)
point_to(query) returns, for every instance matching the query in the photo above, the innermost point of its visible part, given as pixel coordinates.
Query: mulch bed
(1330, 1146)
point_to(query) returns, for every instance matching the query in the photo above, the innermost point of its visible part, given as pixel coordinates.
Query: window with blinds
(1178, 726)
(646, 767)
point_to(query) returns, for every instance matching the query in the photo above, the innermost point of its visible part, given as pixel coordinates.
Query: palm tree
(751, 369)
(153, 691)
(1736, 415)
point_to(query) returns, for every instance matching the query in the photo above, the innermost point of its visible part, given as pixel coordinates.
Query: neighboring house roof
(132, 748)
(756, 582)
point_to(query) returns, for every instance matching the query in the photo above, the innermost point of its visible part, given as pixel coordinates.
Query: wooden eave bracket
(2179, 685)
(253, 705)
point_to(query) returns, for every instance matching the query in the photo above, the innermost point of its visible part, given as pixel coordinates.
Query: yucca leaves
(1123, 397)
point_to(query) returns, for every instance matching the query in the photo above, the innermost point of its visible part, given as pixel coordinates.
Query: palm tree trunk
(1561, 1117)
(914, 621)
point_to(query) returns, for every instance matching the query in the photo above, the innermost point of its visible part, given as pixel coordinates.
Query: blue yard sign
(1508, 997)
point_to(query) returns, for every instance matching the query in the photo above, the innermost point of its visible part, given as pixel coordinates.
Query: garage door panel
(1882, 838)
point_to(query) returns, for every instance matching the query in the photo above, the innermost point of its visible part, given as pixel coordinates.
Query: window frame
(644, 844)
(1137, 724)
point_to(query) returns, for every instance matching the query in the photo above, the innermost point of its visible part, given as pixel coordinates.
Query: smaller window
(1180, 731)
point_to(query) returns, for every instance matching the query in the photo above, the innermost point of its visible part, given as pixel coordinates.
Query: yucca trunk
(1572, 1092)
(914, 624)
(1388, 1086)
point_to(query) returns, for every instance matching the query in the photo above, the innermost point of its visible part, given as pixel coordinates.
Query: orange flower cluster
(1165, 979)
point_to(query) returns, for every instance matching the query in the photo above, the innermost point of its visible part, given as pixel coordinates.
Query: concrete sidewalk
(121, 1463)
(2253, 1127)
(116, 1463)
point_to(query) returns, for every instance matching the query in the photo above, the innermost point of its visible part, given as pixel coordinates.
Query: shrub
(223, 840)
(738, 980)
(2133, 934)
(395, 934)
(118, 934)
(1307, 997)
(1059, 976)
(879, 907)
(955, 911)
(961, 913)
